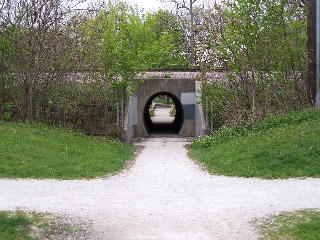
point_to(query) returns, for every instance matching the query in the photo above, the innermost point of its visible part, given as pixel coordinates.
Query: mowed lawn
(43, 152)
(282, 150)
(15, 226)
(34, 226)
(298, 225)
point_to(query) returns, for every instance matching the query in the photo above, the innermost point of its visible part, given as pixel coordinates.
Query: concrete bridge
(188, 121)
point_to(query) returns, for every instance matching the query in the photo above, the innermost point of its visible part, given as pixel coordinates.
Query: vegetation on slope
(299, 225)
(278, 147)
(40, 151)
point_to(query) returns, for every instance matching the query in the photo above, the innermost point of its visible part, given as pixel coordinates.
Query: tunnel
(164, 128)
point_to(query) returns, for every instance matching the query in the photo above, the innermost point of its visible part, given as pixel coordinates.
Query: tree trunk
(30, 101)
(192, 43)
(310, 83)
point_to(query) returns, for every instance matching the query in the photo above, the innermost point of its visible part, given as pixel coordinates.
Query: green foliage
(40, 151)
(164, 75)
(6, 48)
(298, 225)
(127, 42)
(7, 109)
(163, 100)
(279, 147)
(87, 107)
(151, 112)
(164, 22)
(36, 50)
(214, 98)
(69, 94)
(6, 44)
(262, 44)
(40, 55)
(264, 35)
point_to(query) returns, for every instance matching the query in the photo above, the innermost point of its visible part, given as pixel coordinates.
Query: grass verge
(30, 225)
(279, 147)
(40, 151)
(298, 225)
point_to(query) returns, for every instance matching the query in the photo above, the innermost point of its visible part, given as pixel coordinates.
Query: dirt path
(164, 196)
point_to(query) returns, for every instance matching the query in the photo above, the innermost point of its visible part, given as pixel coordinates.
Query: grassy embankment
(278, 147)
(40, 151)
(299, 225)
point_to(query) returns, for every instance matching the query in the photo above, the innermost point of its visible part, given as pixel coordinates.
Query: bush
(265, 58)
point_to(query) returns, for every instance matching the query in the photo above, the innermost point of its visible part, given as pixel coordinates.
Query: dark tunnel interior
(166, 128)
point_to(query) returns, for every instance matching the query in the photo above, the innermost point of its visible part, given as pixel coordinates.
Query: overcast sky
(148, 5)
(153, 5)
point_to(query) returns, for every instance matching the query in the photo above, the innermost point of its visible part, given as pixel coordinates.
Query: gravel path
(162, 115)
(164, 196)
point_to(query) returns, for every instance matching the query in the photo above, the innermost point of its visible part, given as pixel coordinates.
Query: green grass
(299, 225)
(15, 226)
(31, 226)
(40, 151)
(280, 147)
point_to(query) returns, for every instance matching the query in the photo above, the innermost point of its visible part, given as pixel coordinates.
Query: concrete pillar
(189, 101)
(132, 118)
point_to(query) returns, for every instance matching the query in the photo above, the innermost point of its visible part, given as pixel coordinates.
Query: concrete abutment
(184, 93)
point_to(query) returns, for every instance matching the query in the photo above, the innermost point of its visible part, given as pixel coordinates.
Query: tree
(37, 50)
(262, 44)
(127, 42)
(188, 23)
(164, 22)
(311, 76)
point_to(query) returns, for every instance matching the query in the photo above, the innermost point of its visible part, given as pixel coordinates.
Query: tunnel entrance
(163, 114)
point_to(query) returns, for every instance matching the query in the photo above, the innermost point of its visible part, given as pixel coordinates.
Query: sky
(153, 5)
(148, 5)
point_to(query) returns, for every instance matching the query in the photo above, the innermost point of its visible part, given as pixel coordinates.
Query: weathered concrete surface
(177, 87)
(164, 196)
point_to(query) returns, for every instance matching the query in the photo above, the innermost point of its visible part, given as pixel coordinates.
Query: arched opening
(163, 117)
